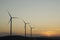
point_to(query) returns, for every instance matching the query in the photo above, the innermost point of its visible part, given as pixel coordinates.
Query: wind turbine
(10, 21)
(25, 26)
(31, 29)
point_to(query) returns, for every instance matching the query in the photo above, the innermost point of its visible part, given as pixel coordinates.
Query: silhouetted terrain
(28, 38)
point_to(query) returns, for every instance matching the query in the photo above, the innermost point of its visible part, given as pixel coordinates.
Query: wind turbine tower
(25, 26)
(31, 29)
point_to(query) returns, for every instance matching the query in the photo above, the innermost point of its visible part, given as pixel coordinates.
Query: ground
(28, 38)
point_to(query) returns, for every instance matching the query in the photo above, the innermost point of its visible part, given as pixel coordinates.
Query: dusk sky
(44, 15)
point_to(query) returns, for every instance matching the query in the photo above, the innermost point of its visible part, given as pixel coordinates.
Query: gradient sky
(44, 15)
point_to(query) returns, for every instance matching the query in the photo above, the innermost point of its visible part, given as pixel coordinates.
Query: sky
(43, 15)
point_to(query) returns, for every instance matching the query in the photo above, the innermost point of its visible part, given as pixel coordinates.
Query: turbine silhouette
(10, 21)
(25, 26)
(31, 29)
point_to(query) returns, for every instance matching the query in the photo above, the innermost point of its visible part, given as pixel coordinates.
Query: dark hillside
(28, 38)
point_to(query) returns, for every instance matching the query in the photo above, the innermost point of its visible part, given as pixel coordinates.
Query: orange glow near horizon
(49, 33)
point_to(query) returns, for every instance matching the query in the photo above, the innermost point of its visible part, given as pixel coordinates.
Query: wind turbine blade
(9, 14)
(14, 17)
(10, 20)
(23, 21)
(33, 27)
(29, 25)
